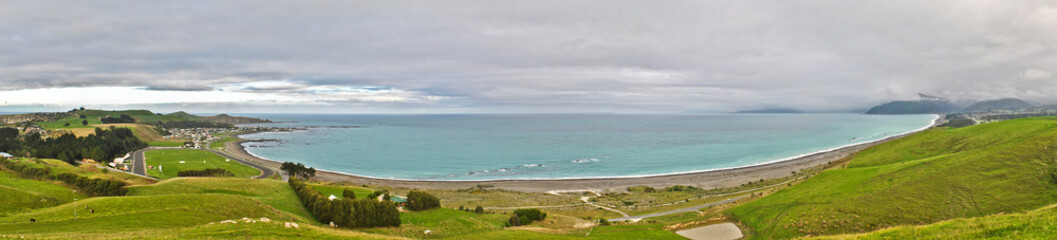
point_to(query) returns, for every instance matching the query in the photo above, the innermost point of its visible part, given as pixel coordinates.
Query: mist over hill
(999, 104)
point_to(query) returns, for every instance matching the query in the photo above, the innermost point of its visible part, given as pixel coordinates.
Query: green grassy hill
(1035, 224)
(274, 193)
(928, 177)
(192, 159)
(93, 116)
(135, 213)
(23, 194)
(327, 190)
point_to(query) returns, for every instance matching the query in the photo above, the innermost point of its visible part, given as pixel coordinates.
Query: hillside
(1035, 224)
(31, 117)
(932, 176)
(224, 118)
(999, 104)
(915, 107)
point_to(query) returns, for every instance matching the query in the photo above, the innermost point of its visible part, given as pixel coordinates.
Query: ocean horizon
(561, 146)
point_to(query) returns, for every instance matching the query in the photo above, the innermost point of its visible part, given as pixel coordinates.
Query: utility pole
(74, 203)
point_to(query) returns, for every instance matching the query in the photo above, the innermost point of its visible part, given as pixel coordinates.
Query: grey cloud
(622, 56)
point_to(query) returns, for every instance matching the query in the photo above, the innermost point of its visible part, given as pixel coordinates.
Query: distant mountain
(915, 107)
(224, 118)
(999, 104)
(771, 110)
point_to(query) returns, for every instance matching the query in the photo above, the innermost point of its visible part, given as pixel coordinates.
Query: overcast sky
(520, 56)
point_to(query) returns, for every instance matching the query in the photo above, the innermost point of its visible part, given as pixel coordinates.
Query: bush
(94, 187)
(603, 222)
(419, 201)
(348, 193)
(208, 172)
(478, 210)
(123, 119)
(26, 171)
(525, 216)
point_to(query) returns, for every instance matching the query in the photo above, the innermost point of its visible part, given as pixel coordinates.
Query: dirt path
(720, 231)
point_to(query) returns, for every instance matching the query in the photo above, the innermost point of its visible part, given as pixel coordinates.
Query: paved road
(681, 210)
(139, 163)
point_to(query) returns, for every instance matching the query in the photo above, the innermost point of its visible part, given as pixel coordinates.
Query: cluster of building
(199, 137)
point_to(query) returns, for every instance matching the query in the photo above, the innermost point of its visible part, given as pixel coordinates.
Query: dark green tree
(419, 201)
(348, 194)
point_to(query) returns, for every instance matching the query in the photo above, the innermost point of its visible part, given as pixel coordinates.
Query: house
(332, 197)
(5, 155)
(121, 160)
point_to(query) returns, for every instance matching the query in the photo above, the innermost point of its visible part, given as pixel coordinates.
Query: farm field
(167, 163)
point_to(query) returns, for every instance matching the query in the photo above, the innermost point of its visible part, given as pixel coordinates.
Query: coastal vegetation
(298, 170)
(525, 217)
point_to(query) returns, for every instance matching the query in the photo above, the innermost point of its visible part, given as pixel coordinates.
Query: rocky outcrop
(32, 117)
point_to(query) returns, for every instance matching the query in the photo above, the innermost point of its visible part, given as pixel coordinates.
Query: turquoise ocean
(487, 147)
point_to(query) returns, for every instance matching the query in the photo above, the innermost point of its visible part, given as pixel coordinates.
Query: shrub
(478, 210)
(525, 216)
(603, 222)
(419, 201)
(348, 193)
(94, 187)
(26, 171)
(208, 172)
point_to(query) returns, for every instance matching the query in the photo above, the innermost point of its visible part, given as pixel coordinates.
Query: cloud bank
(537, 56)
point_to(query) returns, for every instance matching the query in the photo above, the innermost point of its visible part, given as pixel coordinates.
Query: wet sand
(707, 180)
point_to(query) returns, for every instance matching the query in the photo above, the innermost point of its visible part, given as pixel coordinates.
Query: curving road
(139, 163)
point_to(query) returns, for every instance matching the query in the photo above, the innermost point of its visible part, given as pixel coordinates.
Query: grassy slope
(276, 194)
(142, 131)
(636, 231)
(136, 213)
(58, 166)
(1036, 224)
(928, 177)
(193, 160)
(327, 190)
(93, 117)
(23, 194)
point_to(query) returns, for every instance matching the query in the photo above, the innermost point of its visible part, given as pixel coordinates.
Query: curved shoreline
(710, 178)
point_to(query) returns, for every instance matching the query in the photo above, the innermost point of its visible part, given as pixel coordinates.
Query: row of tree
(347, 212)
(94, 187)
(208, 172)
(125, 118)
(26, 171)
(103, 145)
